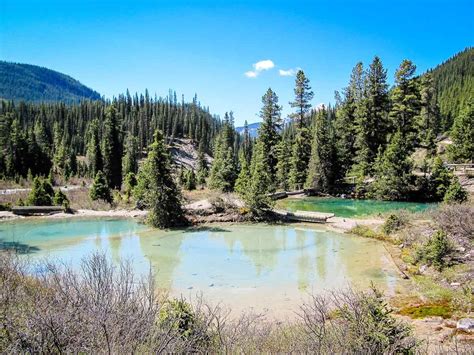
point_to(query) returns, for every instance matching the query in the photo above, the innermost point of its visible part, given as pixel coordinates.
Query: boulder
(466, 324)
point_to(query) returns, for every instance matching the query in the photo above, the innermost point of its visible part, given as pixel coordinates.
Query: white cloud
(259, 67)
(251, 74)
(263, 65)
(289, 72)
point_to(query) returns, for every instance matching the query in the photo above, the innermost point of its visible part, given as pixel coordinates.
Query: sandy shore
(8, 215)
(342, 224)
(338, 224)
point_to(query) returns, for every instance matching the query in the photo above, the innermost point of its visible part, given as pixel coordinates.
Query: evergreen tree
(256, 197)
(190, 180)
(100, 189)
(130, 159)
(392, 171)
(156, 188)
(268, 133)
(302, 143)
(371, 118)
(41, 193)
(429, 122)
(439, 180)
(455, 193)
(202, 170)
(247, 143)
(405, 104)
(60, 199)
(94, 154)
(112, 151)
(283, 165)
(242, 184)
(224, 169)
(130, 182)
(303, 97)
(462, 149)
(321, 174)
(345, 123)
(301, 152)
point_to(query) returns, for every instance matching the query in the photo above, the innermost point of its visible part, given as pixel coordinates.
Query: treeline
(370, 135)
(454, 84)
(108, 136)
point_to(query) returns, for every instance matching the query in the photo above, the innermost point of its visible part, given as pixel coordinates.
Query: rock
(436, 320)
(466, 324)
(423, 269)
(455, 284)
(449, 323)
(461, 249)
(401, 246)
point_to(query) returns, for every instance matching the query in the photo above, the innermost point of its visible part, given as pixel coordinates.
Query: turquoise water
(350, 208)
(245, 266)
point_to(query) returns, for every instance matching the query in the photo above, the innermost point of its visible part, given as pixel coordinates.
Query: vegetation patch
(367, 232)
(427, 310)
(394, 223)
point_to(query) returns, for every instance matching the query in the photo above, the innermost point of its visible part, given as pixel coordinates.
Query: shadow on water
(18, 247)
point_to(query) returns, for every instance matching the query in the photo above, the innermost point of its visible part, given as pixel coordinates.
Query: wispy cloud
(264, 65)
(259, 67)
(251, 74)
(289, 72)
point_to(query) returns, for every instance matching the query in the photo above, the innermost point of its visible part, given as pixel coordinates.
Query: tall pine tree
(302, 143)
(112, 150)
(372, 123)
(156, 188)
(269, 133)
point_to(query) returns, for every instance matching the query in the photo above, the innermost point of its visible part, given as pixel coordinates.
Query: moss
(366, 232)
(428, 310)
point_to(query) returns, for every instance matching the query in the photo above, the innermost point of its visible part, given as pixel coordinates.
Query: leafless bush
(353, 322)
(103, 308)
(456, 220)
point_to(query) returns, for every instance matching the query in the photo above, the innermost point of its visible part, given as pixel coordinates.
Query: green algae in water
(350, 208)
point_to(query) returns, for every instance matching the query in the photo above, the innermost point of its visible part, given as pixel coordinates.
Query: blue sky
(206, 47)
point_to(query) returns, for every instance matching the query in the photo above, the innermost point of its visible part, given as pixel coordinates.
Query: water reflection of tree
(162, 249)
(261, 245)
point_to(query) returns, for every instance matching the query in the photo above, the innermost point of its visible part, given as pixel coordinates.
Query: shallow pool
(244, 266)
(350, 208)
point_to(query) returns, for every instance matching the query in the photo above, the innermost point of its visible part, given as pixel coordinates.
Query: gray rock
(465, 324)
(422, 269)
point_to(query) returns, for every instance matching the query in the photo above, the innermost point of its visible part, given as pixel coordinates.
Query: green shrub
(178, 314)
(130, 183)
(455, 193)
(5, 206)
(436, 250)
(60, 198)
(41, 193)
(100, 189)
(190, 180)
(393, 223)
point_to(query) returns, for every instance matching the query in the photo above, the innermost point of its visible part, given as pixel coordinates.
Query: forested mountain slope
(454, 82)
(25, 82)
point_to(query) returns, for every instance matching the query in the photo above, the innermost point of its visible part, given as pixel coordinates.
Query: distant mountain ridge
(454, 81)
(26, 82)
(253, 129)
